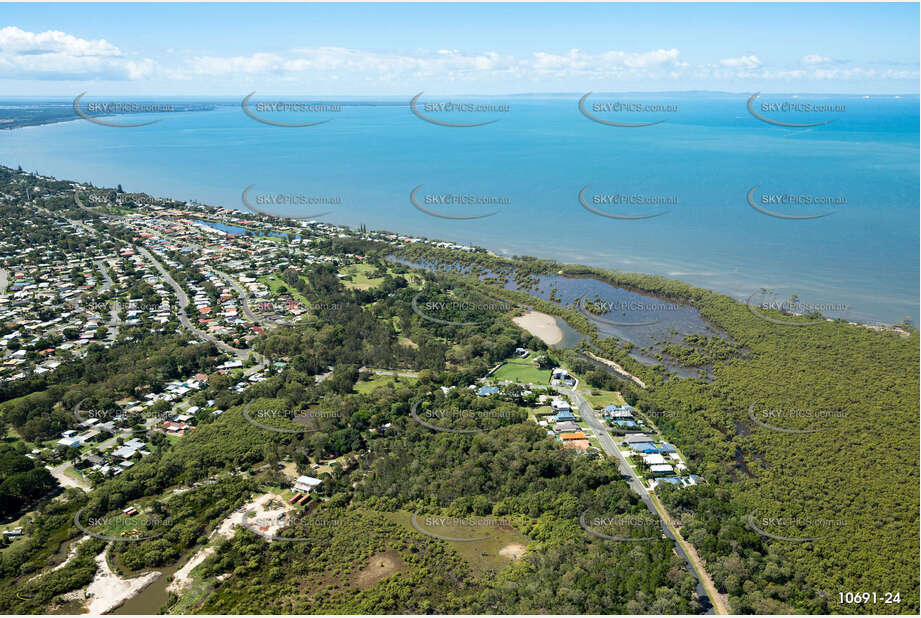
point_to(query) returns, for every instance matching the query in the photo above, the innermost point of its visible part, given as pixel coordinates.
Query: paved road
(107, 285)
(244, 298)
(608, 445)
(183, 300)
(4, 279)
(114, 321)
(705, 586)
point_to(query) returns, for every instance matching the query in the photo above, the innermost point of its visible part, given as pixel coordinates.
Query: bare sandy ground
(514, 551)
(66, 480)
(617, 367)
(265, 523)
(541, 325)
(108, 590)
(70, 556)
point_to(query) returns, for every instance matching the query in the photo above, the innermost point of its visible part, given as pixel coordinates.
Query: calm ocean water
(534, 162)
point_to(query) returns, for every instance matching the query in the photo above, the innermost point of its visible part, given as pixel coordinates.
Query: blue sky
(401, 49)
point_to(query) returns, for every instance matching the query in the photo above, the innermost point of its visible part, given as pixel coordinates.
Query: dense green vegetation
(22, 480)
(852, 480)
(41, 406)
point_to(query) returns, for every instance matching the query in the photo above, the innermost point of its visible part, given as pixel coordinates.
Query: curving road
(244, 299)
(183, 300)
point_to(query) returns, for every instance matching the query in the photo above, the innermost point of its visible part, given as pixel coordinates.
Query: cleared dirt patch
(381, 565)
(513, 551)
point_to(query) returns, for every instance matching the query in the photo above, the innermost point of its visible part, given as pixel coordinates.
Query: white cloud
(814, 59)
(56, 55)
(14, 41)
(743, 62)
(444, 63)
(339, 60)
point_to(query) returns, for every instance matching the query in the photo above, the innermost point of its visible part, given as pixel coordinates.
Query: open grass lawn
(602, 398)
(275, 284)
(360, 276)
(365, 388)
(523, 371)
(495, 552)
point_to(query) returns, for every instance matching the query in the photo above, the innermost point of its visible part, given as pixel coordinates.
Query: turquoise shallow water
(534, 162)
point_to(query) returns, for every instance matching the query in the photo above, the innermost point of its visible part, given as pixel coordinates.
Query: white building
(306, 483)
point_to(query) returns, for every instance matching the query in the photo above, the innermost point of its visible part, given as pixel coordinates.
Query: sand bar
(541, 325)
(107, 590)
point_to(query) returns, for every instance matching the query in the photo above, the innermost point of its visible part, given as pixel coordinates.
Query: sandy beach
(108, 590)
(267, 523)
(541, 325)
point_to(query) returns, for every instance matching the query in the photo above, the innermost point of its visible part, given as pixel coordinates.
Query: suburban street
(705, 586)
(183, 300)
(101, 265)
(244, 298)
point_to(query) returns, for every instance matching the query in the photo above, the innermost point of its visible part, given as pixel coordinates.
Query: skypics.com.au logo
(437, 311)
(780, 419)
(455, 111)
(119, 108)
(259, 111)
(621, 527)
(627, 206)
(439, 204)
(765, 305)
(604, 112)
(781, 205)
(129, 526)
(287, 205)
(458, 529)
(286, 421)
(770, 112)
(646, 313)
(442, 414)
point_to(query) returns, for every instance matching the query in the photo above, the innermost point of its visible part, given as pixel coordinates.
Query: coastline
(541, 325)
(865, 321)
(107, 590)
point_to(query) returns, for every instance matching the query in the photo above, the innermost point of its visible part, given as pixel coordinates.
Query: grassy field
(360, 279)
(598, 398)
(275, 284)
(367, 387)
(523, 371)
(483, 555)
